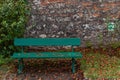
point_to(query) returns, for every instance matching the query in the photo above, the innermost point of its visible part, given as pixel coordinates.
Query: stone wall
(86, 19)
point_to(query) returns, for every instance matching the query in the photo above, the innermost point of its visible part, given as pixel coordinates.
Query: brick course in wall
(74, 18)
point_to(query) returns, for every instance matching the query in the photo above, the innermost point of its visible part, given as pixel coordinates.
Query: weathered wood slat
(48, 55)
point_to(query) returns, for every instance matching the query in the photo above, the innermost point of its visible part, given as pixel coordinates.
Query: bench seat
(48, 55)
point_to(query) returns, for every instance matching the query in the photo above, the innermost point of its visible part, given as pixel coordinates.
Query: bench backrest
(47, 41)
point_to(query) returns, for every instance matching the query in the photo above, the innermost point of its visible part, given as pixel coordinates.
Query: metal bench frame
(25, 42)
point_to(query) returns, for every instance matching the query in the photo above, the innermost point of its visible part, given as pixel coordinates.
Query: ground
(95, 65)
(43, 70)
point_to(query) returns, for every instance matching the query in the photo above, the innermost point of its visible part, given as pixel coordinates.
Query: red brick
(85, 4)
(46, 2)
(96, 15)
(96, 8)
(80, 14)
(53, 1)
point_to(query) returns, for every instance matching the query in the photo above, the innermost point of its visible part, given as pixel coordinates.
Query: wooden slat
(47, 41)
(48, 55)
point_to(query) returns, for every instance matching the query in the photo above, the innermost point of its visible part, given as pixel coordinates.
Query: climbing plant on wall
(13, 18)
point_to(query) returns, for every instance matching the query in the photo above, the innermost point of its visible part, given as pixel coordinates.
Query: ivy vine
(13, 18)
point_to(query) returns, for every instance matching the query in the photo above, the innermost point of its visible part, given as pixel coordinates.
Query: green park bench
(26, 42)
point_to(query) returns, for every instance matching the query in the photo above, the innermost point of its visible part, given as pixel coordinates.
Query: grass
(4, 66)
(94, 65)
(97, 65)
(4, 60)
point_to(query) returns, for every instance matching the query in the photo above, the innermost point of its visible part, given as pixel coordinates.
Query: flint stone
(43, 35)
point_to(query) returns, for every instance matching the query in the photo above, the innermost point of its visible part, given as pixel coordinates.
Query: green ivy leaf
(12, 20)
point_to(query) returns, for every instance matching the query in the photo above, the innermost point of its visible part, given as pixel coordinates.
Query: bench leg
(73, 65)
(20, 65)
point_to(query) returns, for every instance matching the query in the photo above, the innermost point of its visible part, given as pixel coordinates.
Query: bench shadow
(50, 69)
(47, 65)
